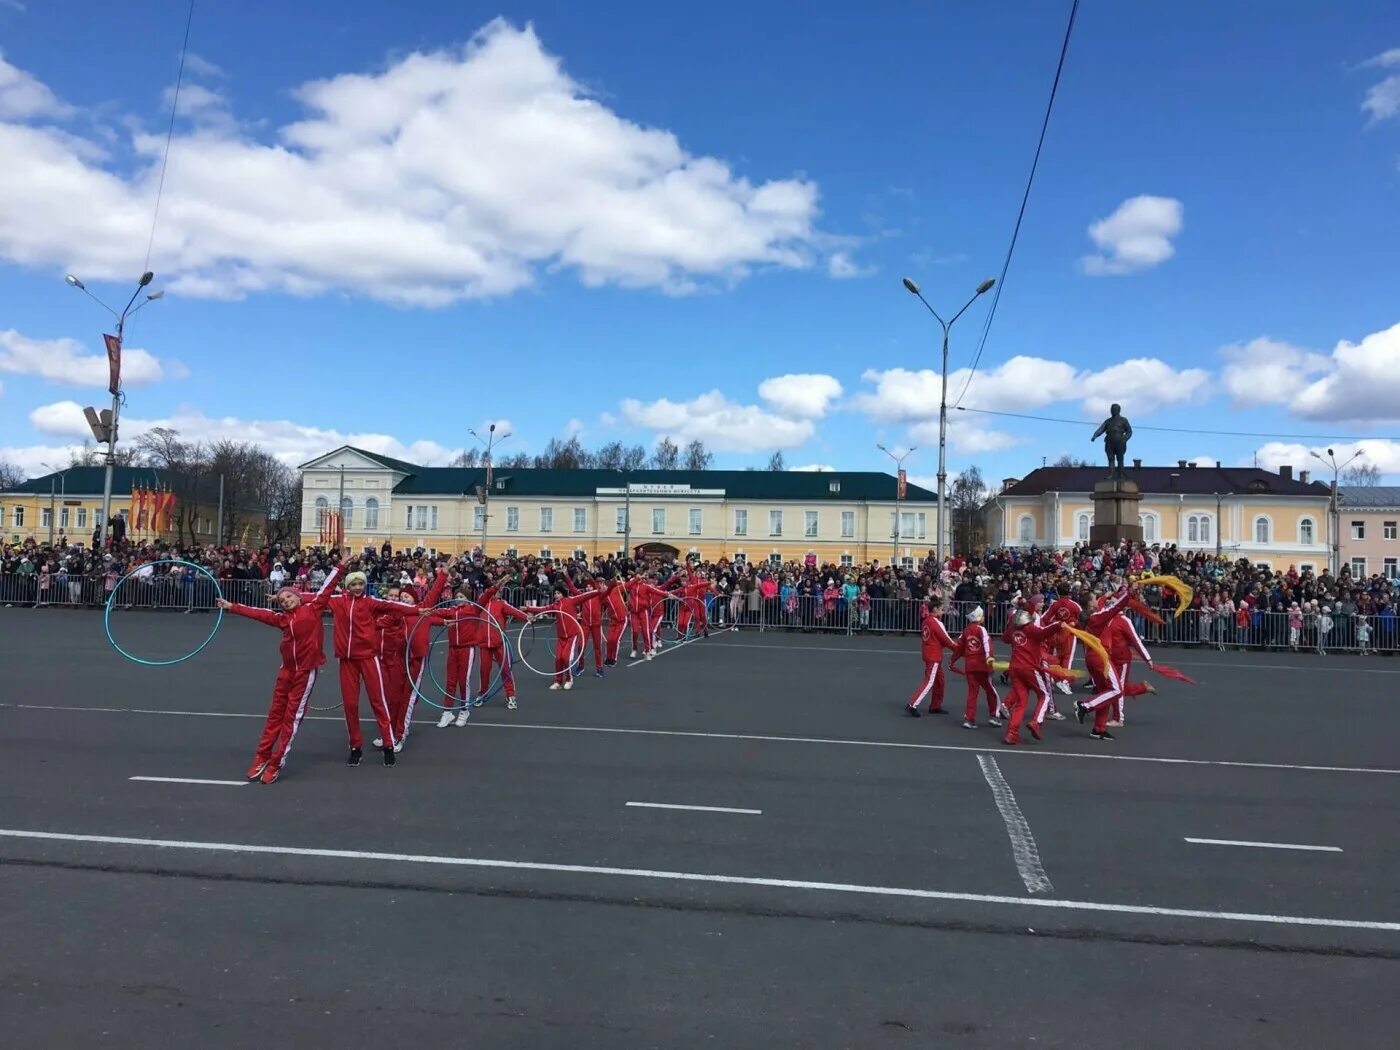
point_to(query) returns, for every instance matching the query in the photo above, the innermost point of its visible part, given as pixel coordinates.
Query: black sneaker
(355, 755)
(609, 663)
(1080, 711)
(389, 756)
(912, 712)
(937, 711)
(1105, 735)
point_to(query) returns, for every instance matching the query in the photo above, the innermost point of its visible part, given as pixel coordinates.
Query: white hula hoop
(520, 643)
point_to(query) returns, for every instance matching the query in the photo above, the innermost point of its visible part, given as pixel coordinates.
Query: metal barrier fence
(180, 590)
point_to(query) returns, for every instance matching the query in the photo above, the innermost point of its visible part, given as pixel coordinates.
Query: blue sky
(387, 227)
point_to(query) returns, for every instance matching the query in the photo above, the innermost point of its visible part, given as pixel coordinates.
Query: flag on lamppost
(903, 484)
(114, 363)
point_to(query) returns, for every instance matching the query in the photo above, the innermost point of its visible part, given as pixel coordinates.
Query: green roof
(88, 481)
(403, 466)
(737, 484)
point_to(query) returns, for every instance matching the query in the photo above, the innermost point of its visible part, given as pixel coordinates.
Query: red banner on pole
(114, 363)
(903, 484)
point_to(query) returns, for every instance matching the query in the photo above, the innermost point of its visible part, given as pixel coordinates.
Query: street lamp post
(626, 514)
(53, 510)
(898, 466)
(1333, 507)
(490, 443)
(985, 286)
(106, 429)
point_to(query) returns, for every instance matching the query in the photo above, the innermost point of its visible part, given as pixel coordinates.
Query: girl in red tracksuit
(935, 639)
(567, 637)
(497, 647)
(353, 615)
(639, 603)
(1027, 641)
(590, 619)
(615, 600)
(420, 643)
(1111, 683)
(974, 648)
(465, 635)
(302, 657)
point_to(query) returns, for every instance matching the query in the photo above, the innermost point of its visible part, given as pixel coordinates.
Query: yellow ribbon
(1091, 642)
(1183, 591)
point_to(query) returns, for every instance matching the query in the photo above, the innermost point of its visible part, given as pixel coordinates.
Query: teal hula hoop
(492, 687)
(111, 600)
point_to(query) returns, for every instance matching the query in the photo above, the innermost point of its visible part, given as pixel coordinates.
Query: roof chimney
(1303, 476)
(1191, 465)
(1285, 472)
(1006, 483)
(1181, 464)
(1137, 464)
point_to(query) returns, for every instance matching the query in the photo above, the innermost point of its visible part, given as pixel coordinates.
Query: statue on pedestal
(1116, 431)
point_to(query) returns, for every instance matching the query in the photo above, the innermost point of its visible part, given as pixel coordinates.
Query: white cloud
(447, 175)
(723, 425)
(1136, 236)
(1363, 384)
(815, 468)
(841, 266)
(573, 428)
(1382, 101)
(22, 97)
(968, 435)
(199, 66)
(289, 441)
(1144, 383)
(801, 396)
(1378, 452)
(1267, 370)
(63, 361)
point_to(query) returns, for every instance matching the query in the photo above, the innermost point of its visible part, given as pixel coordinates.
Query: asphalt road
(496, 889)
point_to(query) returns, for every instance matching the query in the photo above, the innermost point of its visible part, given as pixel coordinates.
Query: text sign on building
(656, 489)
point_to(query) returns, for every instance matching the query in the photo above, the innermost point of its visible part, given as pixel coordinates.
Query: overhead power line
(169, 134)
(1186, 430)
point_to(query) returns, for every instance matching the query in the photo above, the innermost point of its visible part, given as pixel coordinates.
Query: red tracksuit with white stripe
(393, 659)
(1062, 647)
(974, 648)
(420, 643)
(1027, 662)
(1109, 688)
(567, 638)
(302, 658)
(1121, 640)
(640, 601)
(616, 603)
(590, 617)
(357, 647)
(693, 594)
(496, 650)
(466, 634)
(935, 638)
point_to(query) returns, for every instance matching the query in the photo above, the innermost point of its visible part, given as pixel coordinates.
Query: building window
(658, 521)
(740, 558)
(420, 520)
(512, 552)
(1081, 526)
(512, 519)
(1358, 568)
(695, 519)
(775, 523)
(371, 513)
(323, 507)
(546, 519)
(1261, 530)
(19, 517)
(1392, 568)
(347, 512)
(45, 518)
(1307, 529)
(1198, 528)
(1358, 530)
(408, 517)
(546, 554)
(478, 518)
(906, 525)
(1026, 528)
(1388, 530)
(741, 523)
(847, 561)
(63, 517)
(580, 519)
(833, 486)
(809, 523)
(433, 510)
(848, 524)
(923, 526)
(1148, 522)
(580, 555)
(775, 558)
(906, 562)
(621, 519)
(2, 517)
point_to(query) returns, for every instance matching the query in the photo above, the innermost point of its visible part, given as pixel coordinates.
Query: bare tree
(777, 462)
(634, 458)
(470, 458)
(697, 457)
(1066, 460)
(518, 461)
(89, 456)
(186, 463)
(10, 475)
(969, 492)
(666, 456)
(1362, 474)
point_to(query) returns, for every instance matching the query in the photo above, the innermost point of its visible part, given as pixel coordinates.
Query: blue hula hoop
(111, 600)
(493, 686)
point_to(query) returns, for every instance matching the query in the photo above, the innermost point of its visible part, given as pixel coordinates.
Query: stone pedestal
(1116, 512)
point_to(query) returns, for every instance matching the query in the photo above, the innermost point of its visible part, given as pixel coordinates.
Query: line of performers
(383, 647)
(1042, 649)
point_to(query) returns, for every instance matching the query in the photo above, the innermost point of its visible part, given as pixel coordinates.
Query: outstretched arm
(267, 616)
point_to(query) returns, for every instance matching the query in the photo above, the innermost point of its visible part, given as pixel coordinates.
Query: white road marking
(667, 649)
(913, 650)
(1023, 848)
(764, 738)
(190, 780)
(1265, 845)
(698, 809)
(730, 880)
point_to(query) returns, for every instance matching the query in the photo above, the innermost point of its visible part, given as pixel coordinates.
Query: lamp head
(158, 294)
(146, 278)
(74, 281)
(1330, 452)
(986, 286)
(914, 288)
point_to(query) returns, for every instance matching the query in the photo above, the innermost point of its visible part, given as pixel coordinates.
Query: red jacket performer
(590, 618)
(1111, 683)
(568, 640)
(1027, 641)
(1063, 609)
(420, 643)
(357, 647)
(935, 638)
(497, 647)
(302, 657)
(615, 601)
(974, 648)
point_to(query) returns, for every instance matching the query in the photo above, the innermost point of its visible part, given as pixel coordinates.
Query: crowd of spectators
(1235, 602)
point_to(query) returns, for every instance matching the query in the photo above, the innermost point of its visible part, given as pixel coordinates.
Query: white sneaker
(510, 703)
(633, 656)
(379, 741)
(1063, 687)
(1058, 716)
(462, 716)
(554, 685)
(569, 684)
(444, 721)
(650, 655)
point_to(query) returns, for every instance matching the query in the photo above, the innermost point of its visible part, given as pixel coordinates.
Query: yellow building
(1270, 518)
(67, 506)
(841, 517)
